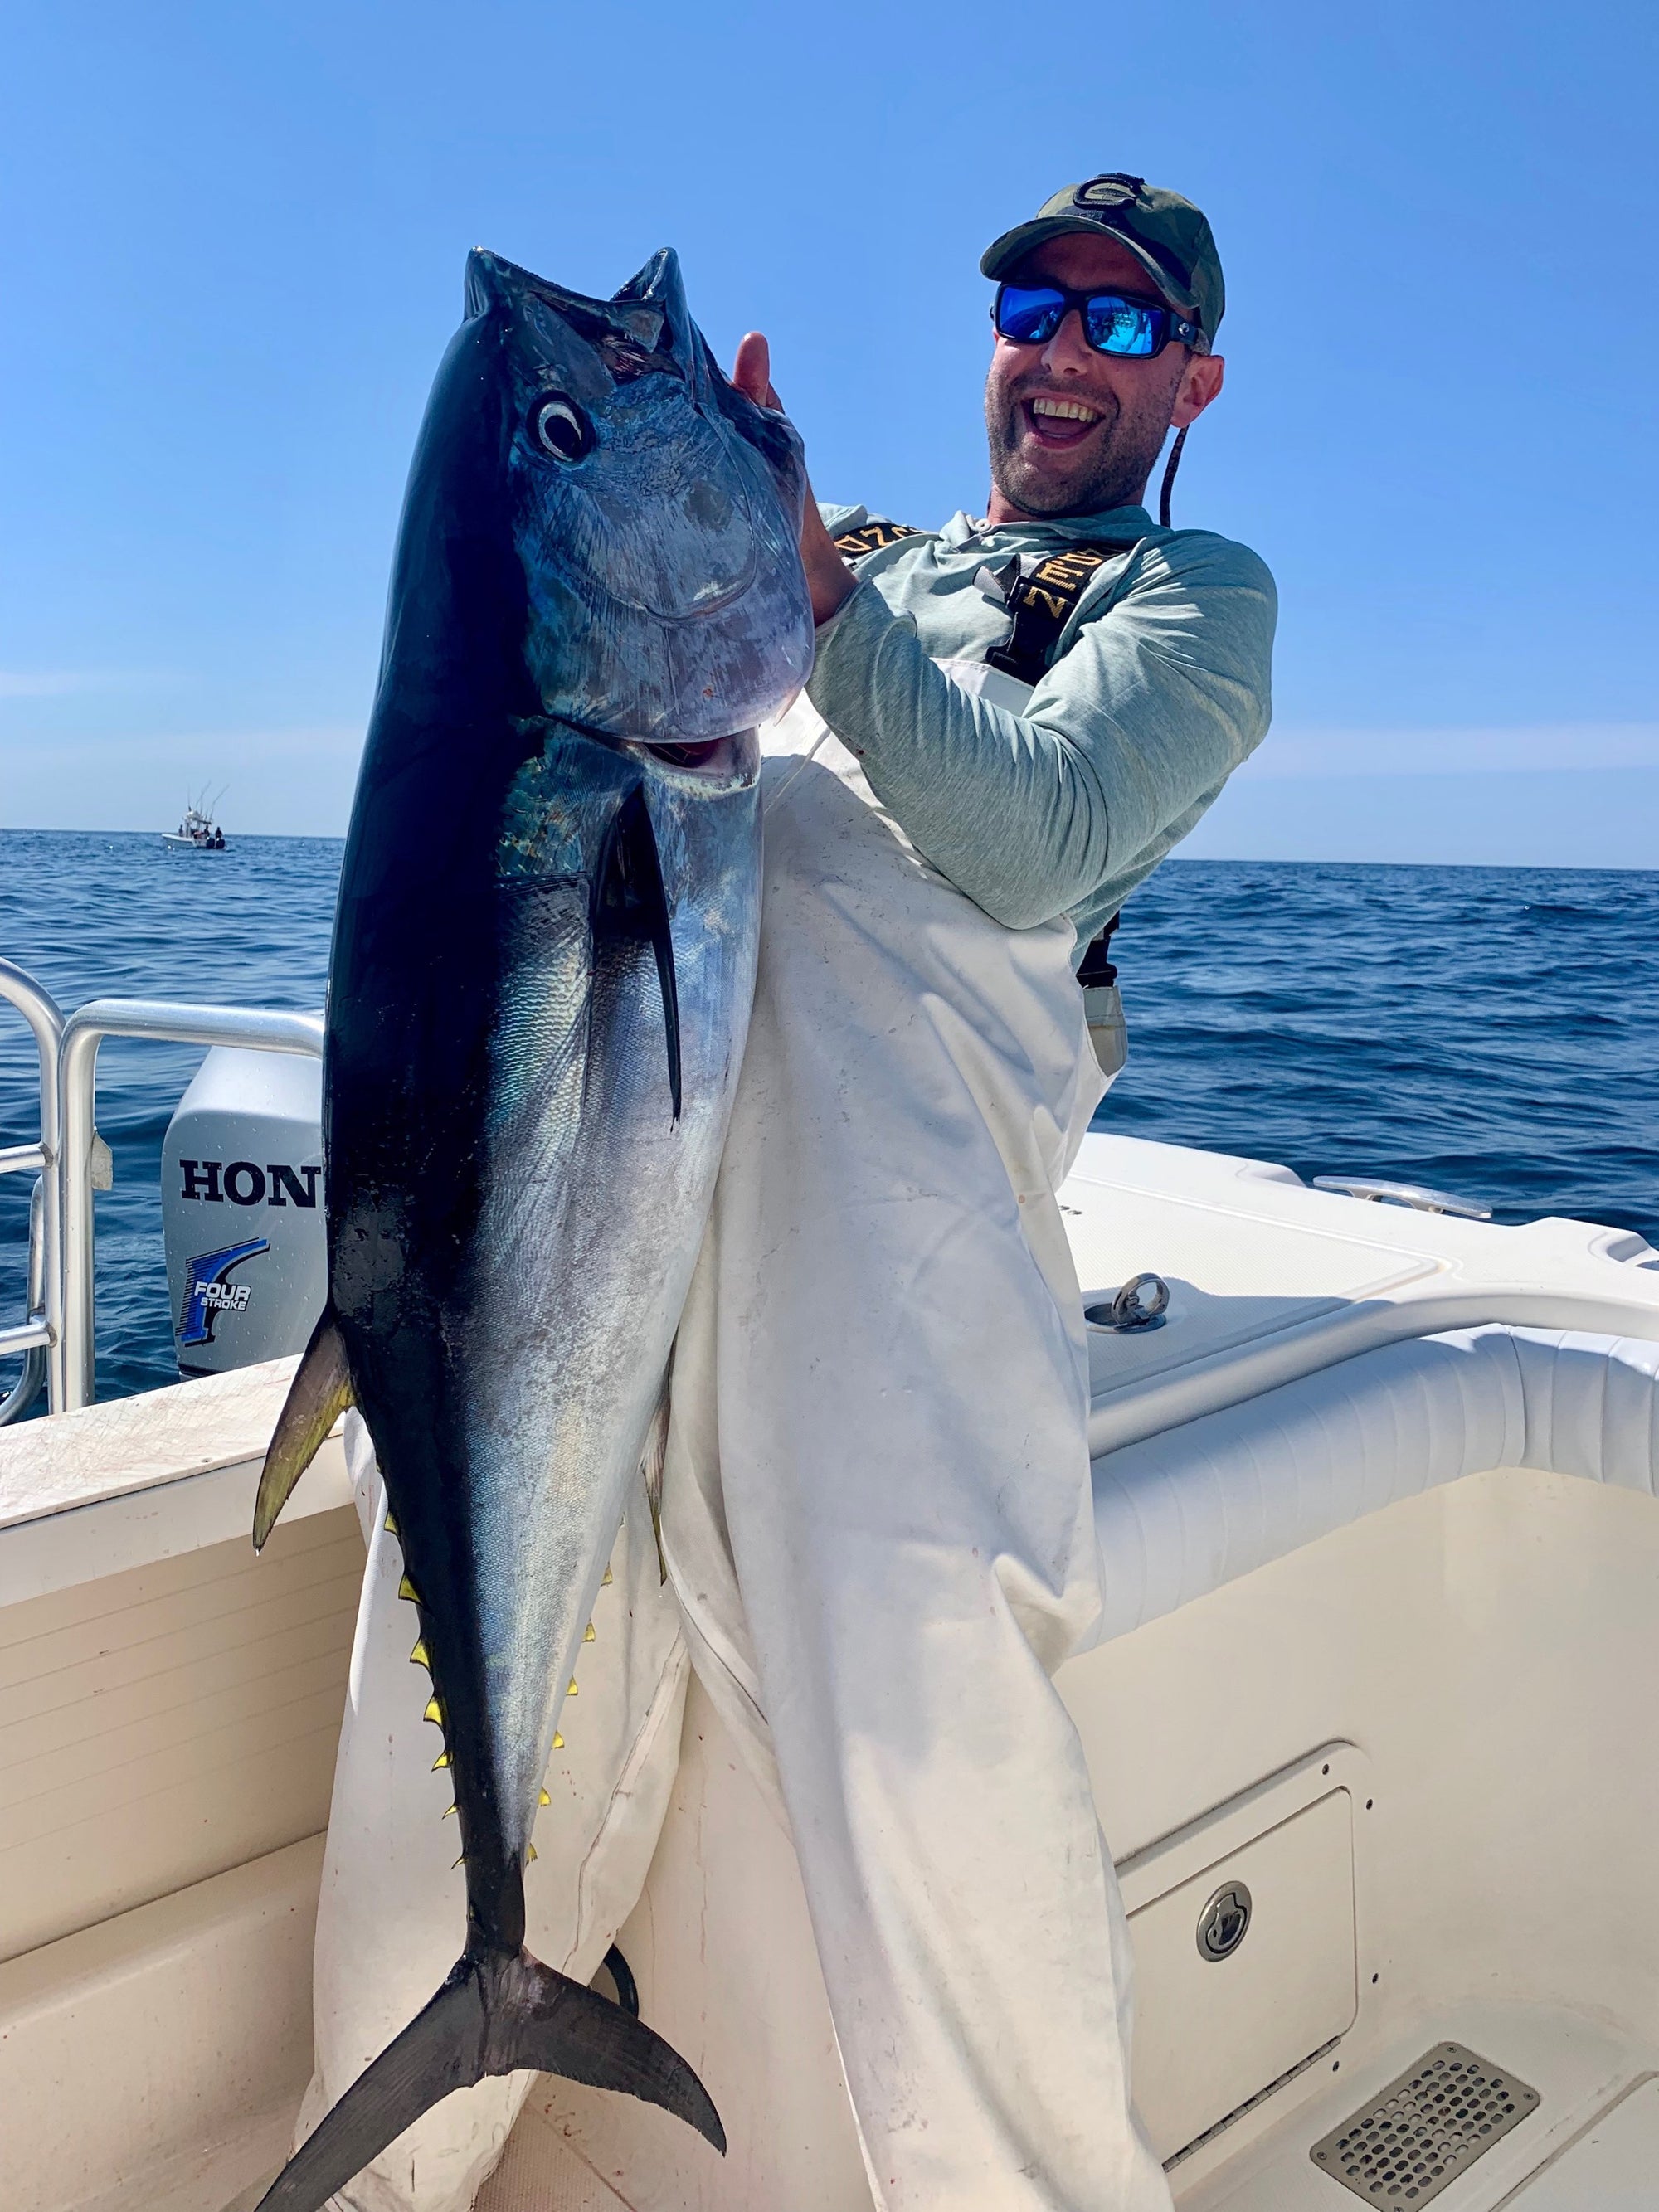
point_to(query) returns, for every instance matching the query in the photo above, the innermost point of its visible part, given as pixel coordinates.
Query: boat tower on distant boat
(198, 832)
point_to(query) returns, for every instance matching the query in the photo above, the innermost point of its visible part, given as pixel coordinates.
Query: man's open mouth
(1054, 422)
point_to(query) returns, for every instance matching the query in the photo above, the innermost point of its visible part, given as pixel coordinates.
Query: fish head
(654, 510)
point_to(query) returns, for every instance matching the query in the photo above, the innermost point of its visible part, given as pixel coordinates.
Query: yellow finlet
(434, 1711)
(528, 1853)
(460, 1862)
(420, 1656)
(608, 1580)
(406, 1589)
(441, 1762)
(558, 1741)
(544, 1799)
(587, 1633)
(571, 1692)
(390, 1524)
(449, 1812)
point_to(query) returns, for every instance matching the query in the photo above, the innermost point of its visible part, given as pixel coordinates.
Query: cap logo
(1110, 191)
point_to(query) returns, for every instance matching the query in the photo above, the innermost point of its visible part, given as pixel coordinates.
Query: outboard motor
(242, 1209)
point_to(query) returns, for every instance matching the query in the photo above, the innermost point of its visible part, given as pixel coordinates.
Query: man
(1075, 432)
(876, 1509)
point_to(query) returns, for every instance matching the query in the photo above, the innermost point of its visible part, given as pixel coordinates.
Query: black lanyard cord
(1168, 477)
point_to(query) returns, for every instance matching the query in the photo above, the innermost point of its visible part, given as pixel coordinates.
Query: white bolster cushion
(1183, 1512)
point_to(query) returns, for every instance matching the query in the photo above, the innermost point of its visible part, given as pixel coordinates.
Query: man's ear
(1201, 382)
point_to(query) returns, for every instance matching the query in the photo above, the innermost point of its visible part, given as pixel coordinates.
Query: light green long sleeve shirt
(1161, 686)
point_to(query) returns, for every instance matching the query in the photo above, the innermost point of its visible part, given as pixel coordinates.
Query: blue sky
(232, 256)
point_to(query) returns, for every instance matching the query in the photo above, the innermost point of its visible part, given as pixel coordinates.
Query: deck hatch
(1431, 2123)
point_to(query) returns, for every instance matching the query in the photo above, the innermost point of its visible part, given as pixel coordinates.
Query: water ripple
(1492, 1030)
(93, 915)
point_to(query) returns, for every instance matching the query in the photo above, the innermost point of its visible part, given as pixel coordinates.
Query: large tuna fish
(544, 959)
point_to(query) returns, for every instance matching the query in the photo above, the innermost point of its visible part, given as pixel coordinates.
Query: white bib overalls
(877, 1521)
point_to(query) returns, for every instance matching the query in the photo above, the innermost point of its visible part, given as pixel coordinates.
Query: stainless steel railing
(41, 1329)
(73, 1162)
(27, 1389)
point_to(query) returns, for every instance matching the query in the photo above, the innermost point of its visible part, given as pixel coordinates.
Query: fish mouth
(729, 762)
(634, 379)
(631, 321)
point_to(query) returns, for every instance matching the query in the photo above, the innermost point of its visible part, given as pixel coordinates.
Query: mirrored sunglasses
(1114, 323)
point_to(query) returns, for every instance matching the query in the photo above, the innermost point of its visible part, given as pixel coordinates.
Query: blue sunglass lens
(1122, 326)
(1029, 314)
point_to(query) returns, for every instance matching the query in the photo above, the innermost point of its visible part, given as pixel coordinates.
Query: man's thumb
(751, 372)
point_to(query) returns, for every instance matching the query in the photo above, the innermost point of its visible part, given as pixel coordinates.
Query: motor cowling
(242, 1210)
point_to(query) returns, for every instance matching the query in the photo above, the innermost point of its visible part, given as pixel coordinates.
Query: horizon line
(1188, 860)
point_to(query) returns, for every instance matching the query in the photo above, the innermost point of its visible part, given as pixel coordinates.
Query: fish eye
(561, 429)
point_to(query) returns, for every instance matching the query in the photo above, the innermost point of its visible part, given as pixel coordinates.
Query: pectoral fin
(653, 1461)
(318, 1395)
(631, 900)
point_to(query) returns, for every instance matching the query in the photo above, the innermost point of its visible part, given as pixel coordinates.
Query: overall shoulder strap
(1044, 602)
(871, 537)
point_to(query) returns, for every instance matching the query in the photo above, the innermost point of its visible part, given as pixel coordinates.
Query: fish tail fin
(495, 2015)
(318, 1395)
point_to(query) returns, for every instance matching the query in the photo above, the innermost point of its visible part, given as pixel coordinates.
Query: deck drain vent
(1428, 2126)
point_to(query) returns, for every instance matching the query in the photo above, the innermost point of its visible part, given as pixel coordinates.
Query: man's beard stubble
(1115, 472)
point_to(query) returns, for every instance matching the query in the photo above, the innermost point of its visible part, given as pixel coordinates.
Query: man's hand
(828, 577)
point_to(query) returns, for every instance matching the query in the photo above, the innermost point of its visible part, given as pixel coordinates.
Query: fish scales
(543, 960)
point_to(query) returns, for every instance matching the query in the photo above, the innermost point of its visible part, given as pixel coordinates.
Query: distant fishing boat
(198, 833)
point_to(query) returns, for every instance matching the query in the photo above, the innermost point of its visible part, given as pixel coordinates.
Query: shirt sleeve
(1127, 737)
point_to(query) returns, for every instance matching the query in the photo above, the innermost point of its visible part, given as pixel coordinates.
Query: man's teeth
(1065, 411)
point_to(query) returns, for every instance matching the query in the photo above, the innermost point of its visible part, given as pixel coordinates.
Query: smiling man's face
(1075, 432)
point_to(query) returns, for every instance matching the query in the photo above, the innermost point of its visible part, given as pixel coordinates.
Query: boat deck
(1415, 1720)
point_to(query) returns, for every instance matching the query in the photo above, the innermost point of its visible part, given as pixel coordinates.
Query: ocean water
(92, 915)
(1492, 1031)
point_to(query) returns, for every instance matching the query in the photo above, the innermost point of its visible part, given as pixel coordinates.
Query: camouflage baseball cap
(1168, 236)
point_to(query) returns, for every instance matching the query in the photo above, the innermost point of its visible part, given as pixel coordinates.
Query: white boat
(1371, 1721)
(196, 832)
